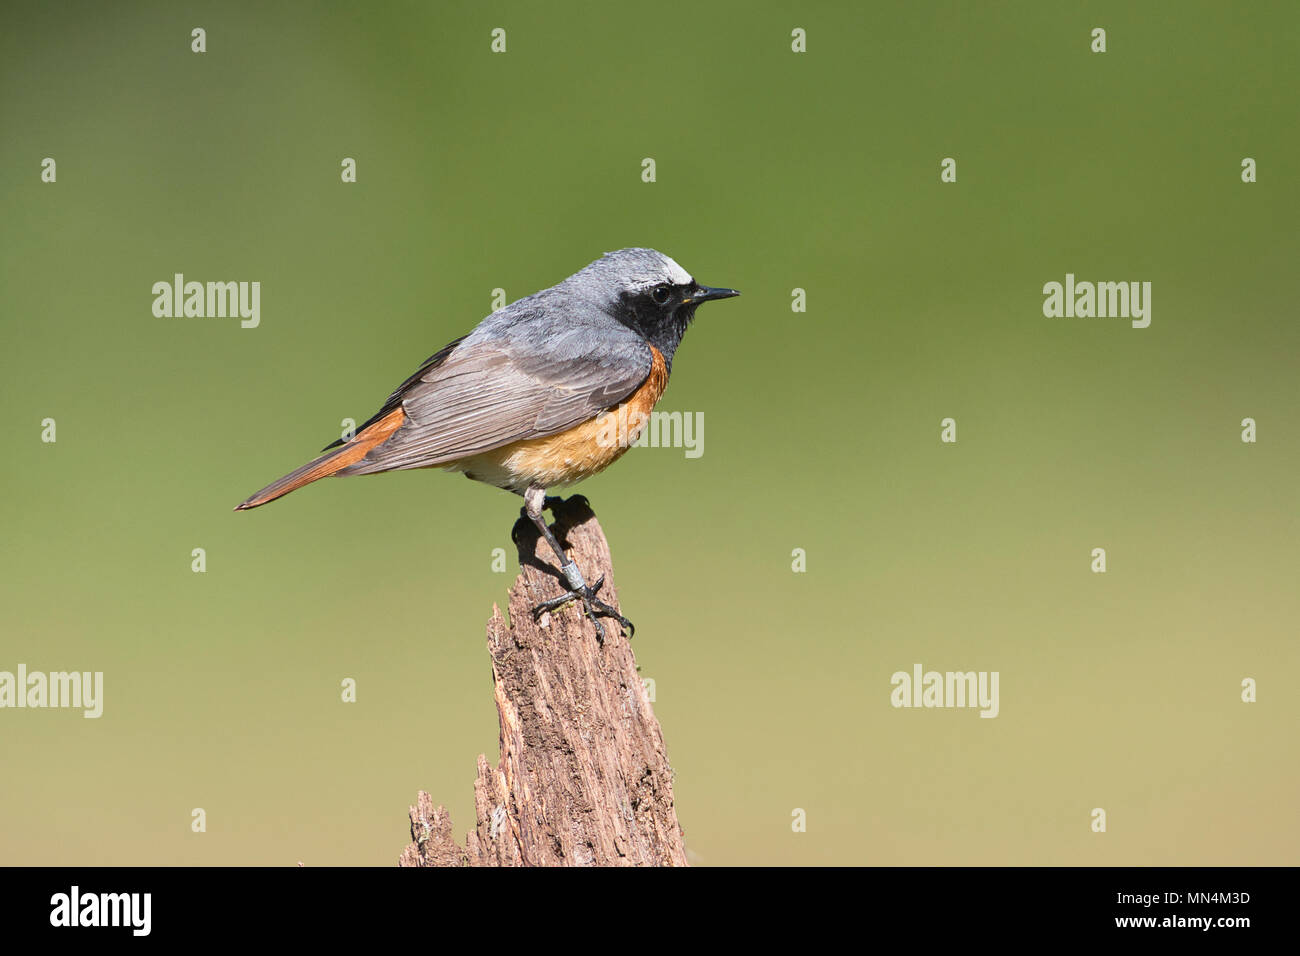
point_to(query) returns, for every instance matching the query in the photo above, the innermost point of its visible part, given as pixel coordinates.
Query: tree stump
(583, 778)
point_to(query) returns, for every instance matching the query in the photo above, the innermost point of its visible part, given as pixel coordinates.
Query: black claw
(592, 607)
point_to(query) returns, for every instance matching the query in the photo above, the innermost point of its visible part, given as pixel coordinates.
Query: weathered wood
(583, 778)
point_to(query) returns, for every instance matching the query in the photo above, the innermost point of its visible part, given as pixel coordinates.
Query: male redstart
(523, 401)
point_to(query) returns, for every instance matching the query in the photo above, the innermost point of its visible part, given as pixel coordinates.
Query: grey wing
(489, 393)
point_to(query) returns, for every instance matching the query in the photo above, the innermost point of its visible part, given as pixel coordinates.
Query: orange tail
(331, 462)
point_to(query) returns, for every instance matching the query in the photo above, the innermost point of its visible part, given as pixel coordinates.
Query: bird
(544, 392)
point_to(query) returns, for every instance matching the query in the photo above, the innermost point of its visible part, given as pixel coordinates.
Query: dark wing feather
(490, 391)
(433, 361)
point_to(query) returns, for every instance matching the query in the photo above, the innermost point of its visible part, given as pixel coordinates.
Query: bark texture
(583, 778)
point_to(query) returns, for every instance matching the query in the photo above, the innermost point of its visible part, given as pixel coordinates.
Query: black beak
(703, 293)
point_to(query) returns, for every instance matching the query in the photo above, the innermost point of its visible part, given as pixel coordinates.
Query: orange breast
(578, 453)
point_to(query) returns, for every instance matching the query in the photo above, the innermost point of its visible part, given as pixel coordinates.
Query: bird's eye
(661, 294)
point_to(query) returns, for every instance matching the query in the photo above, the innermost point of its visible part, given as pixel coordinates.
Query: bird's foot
(592, 606)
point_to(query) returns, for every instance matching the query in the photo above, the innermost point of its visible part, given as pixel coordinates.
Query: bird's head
(650, 293)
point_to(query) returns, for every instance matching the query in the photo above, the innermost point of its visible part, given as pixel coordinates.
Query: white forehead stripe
(663, 271)
(635, 270)
(676, 274)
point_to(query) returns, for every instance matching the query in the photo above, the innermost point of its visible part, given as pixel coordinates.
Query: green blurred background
(775, 170)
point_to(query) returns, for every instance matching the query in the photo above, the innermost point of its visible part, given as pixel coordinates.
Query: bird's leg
(579, 590)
